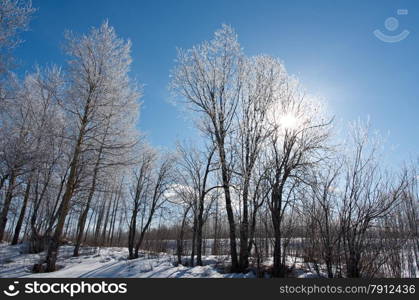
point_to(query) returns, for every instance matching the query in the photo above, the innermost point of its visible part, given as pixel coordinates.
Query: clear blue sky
(329, 45)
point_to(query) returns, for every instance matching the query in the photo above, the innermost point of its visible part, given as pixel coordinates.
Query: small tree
(368, 195)
(195, 170)
(155, 196)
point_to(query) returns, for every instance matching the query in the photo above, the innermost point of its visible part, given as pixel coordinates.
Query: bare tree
(410, 210)
(155, 196)
(320, 205)
(142, 176)
(180, 239)
(368, 195)
(195, 169)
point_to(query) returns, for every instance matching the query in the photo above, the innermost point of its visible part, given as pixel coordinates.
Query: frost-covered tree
(28, 123)
(208, 77)
(14, 18)
(40, 93)
(299, 132)
(102, 106)
(261, 82)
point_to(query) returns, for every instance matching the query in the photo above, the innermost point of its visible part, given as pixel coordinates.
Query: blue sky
(329, 45)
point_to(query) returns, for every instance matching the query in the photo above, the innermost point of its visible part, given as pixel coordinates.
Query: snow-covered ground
(108, 262)
(112, 262)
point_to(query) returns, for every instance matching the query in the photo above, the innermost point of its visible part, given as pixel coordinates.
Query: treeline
(267, 178)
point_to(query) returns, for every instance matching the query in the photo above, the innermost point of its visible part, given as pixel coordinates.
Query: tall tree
(14, 18)
(299, 135)
(208, 77)
(98, 83)
(262, 78)
(26, 124)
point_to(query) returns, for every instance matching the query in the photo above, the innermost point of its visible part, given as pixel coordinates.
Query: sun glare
(288, 121)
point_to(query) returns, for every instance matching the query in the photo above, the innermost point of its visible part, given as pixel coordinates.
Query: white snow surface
(109, 262)
(112, 262)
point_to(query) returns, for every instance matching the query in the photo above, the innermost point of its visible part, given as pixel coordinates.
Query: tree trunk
(139, 243)
(99, 222)
(353, 265)
(199, 225)
(6, 204)
(229, 209)
(83, 216)
(244, 229)
(193, 246)
(180, 239)
(80, 228)
(3, 180)
(113, 219)
(131, 234)
(215, 247)
(22, 213)
(201, 204)
(143, 231)
(52, 253)
(278, 267)
(105, 224)
(54, 244)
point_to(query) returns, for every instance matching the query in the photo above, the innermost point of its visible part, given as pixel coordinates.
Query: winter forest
(270, 188)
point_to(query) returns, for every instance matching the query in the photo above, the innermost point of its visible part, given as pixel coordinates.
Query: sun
(289, 121)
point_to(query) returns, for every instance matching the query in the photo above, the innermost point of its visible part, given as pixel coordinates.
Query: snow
(112, 262)
(107, 263)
